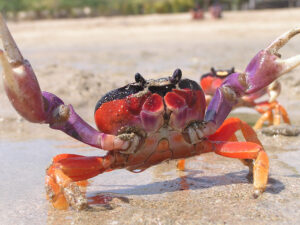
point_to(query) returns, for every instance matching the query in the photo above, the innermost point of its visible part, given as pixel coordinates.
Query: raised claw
(282, 40)
(267, 65)
(20, 82)
(30, 102)
(14, 55)
(290, 63)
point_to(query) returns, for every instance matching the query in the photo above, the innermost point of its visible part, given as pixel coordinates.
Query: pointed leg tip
(257, 193)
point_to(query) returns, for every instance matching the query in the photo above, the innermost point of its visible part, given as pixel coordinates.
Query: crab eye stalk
(214, 72)
(176, 77)
(140, 79)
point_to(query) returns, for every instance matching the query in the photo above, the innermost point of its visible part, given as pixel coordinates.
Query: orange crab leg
(264, 106)
(65, 174)
(181, 164)
(279, 112)
(276, 119)
(284, 114)
(247, 150)
(229, 127)
(232, 125)
(252, 149)
(268, 115)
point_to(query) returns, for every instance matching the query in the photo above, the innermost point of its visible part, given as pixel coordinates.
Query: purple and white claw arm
(30, 102)
(263, 69)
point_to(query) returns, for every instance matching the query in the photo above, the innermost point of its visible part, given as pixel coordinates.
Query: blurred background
(41, 9)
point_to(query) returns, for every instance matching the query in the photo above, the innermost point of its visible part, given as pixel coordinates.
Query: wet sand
(80, 60)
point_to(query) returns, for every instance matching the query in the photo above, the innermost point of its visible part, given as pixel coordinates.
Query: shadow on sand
(190, 181)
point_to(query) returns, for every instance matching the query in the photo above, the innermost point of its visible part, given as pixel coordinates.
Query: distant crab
(271, 110)
(216, 11)
(145, 122)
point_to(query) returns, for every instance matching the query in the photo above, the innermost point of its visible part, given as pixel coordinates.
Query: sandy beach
(80, 60)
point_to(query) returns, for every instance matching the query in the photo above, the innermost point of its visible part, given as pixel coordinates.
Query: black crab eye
(176, 77)
(140, 79)
(213, 71)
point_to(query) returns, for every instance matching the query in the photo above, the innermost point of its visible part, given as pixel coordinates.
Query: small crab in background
(145, 122)
(271, 110)
(215, 11)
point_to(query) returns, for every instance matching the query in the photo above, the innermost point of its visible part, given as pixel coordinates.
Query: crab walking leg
(263, 69)
(232, 125)
(266, 109)
(30, 102)
(245, 151)
(279, 112)
(261, 165)
(284, 114)
(276, 119)
(227, 133)
(264, 106)
(268, 115)
(181, 164)
(65, 171)
(246, 162)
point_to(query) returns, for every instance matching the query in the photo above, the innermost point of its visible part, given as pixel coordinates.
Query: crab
(145, 122)
(271, 110)
(215, 11)
(197, 13)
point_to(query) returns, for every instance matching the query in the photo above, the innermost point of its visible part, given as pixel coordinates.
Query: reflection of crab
(211, 81)
(145, 122)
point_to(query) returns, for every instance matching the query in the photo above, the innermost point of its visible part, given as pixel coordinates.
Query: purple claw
(263, 69)
(20, 82)
(290, 63)
(267, 65)
(25, 95)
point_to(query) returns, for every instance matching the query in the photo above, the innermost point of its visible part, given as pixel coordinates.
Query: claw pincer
(145, 122)
(263, 69)
(20, 82)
